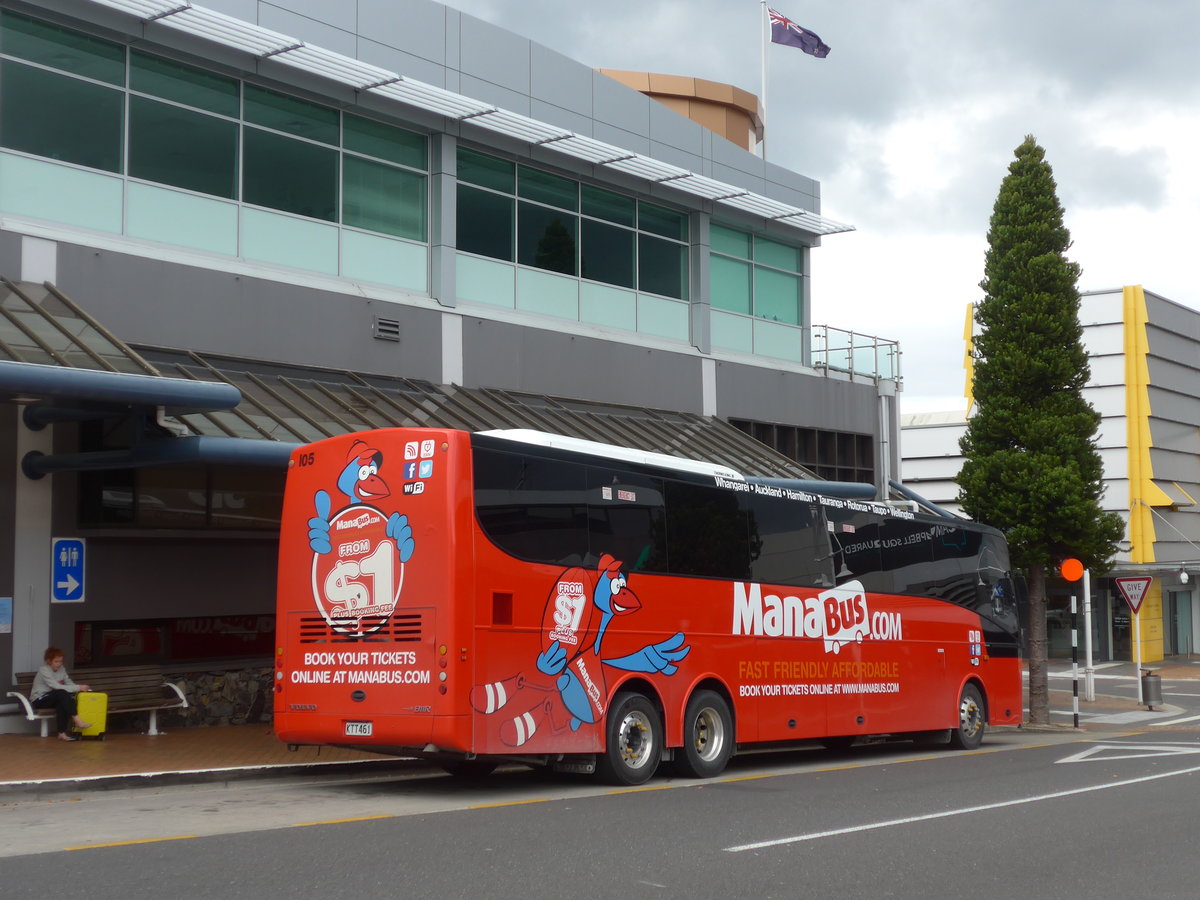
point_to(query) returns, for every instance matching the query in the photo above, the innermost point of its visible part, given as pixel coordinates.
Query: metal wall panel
(170, 305)
(498, 354)
(812, 401)
(670, 128)
(416, 27)
(620, 106)
(489, 53)
(559, 80)
(341, 16)
(327, 25)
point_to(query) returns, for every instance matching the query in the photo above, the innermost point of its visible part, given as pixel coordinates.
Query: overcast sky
(911, 122)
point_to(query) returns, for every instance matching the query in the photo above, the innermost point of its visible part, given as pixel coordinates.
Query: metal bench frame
(95, 678)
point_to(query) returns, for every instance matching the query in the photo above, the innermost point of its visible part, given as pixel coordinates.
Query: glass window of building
(386, 142)
(377, 194)
(515, 213)
(176, 146)
(86, 128)
(608, 247)
(486, 171)
(61, 48)
(661, 221)
(662, 267)
(290, 175)
(184, 84)
(662, 264)
(608, 253)
(383, 198)
(486, 223)
(756, 276)
(546, 238)
(836, 455)
(281, 112)
(206, 132)
(551, 190)
(611, 207)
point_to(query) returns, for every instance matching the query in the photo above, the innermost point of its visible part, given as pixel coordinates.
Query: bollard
(1151, 689)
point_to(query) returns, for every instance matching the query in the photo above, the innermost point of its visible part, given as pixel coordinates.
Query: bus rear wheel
(972, 720)
(634, 744)
(707, 736)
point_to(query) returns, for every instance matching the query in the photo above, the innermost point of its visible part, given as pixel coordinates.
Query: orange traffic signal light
(1071, 569)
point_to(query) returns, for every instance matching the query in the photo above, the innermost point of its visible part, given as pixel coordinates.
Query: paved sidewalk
(29, 762)
(123, 759)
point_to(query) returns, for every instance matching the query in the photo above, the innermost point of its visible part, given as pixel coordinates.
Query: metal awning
(303, 404)
(63, 365)
(55, 354)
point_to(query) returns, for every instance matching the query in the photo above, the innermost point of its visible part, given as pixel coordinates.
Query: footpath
(183, 755)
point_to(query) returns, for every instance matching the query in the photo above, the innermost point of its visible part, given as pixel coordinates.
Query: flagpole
(762, 93)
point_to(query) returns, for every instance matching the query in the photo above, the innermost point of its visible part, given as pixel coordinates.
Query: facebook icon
(410, 471)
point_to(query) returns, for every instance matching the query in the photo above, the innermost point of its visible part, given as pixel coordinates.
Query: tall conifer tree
(1031, 467)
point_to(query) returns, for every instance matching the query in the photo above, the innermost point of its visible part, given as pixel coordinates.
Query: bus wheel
(707, 736)
(469, 768)
(971, 720)
(634, 743)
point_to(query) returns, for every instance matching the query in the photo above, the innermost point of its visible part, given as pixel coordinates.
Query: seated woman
(53, 689)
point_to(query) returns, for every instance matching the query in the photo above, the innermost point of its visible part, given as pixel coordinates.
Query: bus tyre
(634, 744)
(972, 720)
(707, 736)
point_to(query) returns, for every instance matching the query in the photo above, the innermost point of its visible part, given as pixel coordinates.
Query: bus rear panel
(371, 650)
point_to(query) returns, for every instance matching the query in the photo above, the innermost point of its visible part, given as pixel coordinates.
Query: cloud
(910, 125)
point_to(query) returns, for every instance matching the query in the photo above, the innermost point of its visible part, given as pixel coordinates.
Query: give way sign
(1133, 589)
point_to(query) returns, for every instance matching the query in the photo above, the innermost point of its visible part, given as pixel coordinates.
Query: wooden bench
(129, 689)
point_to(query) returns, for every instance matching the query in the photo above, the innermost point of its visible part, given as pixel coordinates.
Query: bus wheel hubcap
(970, 716)
(710, 735)
(635, 740)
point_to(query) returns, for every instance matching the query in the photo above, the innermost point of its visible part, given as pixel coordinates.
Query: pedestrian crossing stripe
(1108, 752)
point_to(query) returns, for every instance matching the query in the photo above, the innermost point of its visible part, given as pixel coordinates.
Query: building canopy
(63, 365)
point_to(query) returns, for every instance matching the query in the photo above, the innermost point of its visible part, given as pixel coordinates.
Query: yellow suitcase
(92, 707)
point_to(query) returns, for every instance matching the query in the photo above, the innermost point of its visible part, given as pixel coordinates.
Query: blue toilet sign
(66, 570)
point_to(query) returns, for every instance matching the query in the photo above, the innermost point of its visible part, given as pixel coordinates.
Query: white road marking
(1123, 718)
(1101, 752)
(909, 820)
(1177, 721)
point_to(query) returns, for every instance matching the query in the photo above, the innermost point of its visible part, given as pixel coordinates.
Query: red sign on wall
(1133, 589)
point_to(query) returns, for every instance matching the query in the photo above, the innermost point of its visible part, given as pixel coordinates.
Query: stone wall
(221, 697)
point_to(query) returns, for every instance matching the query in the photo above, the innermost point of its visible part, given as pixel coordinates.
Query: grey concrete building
(231, 228)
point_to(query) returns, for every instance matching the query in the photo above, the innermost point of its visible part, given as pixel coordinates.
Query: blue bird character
(577, 664)
(361, 483)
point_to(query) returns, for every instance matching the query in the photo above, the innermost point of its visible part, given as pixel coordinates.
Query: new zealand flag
(785, 31)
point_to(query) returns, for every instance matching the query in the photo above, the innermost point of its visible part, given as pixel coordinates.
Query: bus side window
(625, 519)
(789, 543)
(707, 532)
(534, 509)
(855, 538)
(907, 549)
(956, 567)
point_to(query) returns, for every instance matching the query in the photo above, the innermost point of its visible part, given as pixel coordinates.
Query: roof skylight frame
(262, 43)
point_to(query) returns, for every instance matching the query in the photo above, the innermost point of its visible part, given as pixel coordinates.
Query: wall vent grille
(386, 329)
